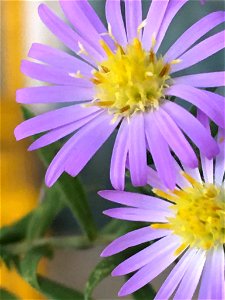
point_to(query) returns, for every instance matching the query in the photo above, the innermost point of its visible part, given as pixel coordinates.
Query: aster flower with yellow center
(189, 226)
(124, 82)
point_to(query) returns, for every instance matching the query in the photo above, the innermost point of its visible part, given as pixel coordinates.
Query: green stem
(76, 242)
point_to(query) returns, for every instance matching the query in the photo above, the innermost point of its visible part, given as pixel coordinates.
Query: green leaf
(27, 266)
(7, 257)
(120, 227)
(6, 295)
(147, 292)
(106, 265)
(57, 291)
(75, 198)
(44, 214)
(18, 235)
(101, 271)
(15, 232)
(70, 188)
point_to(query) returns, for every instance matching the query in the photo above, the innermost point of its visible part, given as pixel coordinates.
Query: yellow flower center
(130, 79)
(199, 214)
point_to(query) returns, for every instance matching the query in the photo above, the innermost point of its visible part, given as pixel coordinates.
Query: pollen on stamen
(175, 61)
(141, 26)
(82, 49)
(153, 40)
(76, 75)
(197, 215)
(130, 78)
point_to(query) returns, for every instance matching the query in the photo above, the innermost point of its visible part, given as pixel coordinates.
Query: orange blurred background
(19, 175)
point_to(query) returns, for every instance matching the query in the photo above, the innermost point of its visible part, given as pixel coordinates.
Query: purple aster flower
(122, 79)
(189, 224)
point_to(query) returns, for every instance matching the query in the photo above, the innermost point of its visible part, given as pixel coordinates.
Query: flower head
(123, 80)
(131, 80)
(188, 223)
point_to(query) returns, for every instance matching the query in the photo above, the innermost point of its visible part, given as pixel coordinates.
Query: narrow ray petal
(210, 104)
(220, 158)
(202, 80)
(93, 17)
(135, 200)
(81, 22)
(66, 34)
(192, 276)
(172, 9)
(50, 74)
(133, 13)
(160, 152)
(160, 260)
(115, 20)
(193, 34)
(58, 164)
(154, 20)
(133, 238)
(59, 59)
(89, 139)
(119, 157)
(207, 164)
(180, 179)
(170, 284)
(145, 256)
(54, 94)
(137, 150)
(52, 119)
(154, 180)
(90, 13)
(175, 138)
(212, 284)
(58, 133)
(193, 128)
(201, 51)
(138, 214)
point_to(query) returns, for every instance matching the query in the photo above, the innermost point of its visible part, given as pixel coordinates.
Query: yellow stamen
(137, 45)
(131, 78)
(165, 70)
(153, 40)
(124, 108)
(95, 81)
(198, 215)
(181, 249)
(175, 61)
(104, 103)
(152, 56)
(190, 179)
(106, 48)
(104, 69)
(164, 195)
(161, 226)
(120, 48)
(149, 74)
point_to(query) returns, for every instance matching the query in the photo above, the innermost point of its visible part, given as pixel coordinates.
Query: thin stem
(76, 242)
